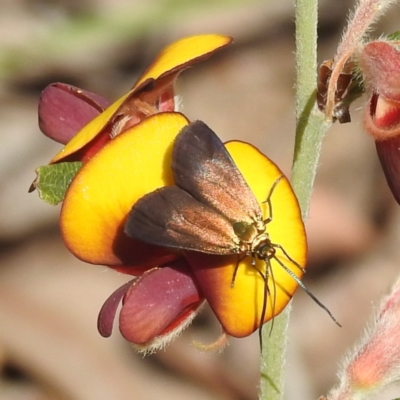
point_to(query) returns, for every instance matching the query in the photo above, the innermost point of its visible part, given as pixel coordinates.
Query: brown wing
(171, 217)
(203, 167)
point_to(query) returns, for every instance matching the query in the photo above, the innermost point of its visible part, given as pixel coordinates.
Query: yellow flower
(152, 93)
(126, 152)
(138, 162)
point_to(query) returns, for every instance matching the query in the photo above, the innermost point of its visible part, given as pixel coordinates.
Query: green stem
(306, 157)
(273, 357)
(310, 131)
(311, 125)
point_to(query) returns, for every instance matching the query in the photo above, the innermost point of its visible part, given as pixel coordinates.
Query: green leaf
(53, 180)
(394, 36)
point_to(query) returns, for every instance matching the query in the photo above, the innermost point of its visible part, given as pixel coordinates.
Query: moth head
(262, 247)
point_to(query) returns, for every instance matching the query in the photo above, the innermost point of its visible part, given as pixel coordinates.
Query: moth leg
(267, 294)
(268, 200)
(253, 263)
(236, 270)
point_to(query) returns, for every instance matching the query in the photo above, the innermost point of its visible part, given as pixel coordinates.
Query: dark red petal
(65, 109)
(158, 302)
(382, 122)
(389, 156)
(107, 313)
(134, 270)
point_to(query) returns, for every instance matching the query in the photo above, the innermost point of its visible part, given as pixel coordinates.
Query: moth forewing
(171, 217)
(202, 166)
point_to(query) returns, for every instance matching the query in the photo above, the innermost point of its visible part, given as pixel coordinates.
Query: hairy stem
(310, 131)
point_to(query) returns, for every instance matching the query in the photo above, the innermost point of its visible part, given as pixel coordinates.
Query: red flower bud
(380, 63)
(375, 361)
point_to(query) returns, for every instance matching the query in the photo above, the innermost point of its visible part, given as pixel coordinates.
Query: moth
(210, 209)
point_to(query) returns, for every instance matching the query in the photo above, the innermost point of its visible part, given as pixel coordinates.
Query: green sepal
(53, 180)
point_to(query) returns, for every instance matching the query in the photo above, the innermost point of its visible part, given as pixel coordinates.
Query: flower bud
(375, 362)
(380, 63)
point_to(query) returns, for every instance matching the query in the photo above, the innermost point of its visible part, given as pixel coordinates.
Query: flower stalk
(311, 126)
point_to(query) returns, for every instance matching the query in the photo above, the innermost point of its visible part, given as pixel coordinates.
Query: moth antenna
(278, 246)
(301, 284)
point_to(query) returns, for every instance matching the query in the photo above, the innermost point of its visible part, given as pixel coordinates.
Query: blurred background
(49, 301)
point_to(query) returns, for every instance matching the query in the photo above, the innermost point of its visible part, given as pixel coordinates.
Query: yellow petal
(171, 61)
(104, 190)
(239, 308)
(182, 54)
(91, 130)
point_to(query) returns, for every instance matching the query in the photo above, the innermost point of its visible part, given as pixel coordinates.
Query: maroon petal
(107, 313)
(65, 109)
(382, 122)
(158, 303)
(389, 156)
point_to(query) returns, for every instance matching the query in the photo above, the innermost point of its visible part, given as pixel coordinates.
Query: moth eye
(265, 252)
